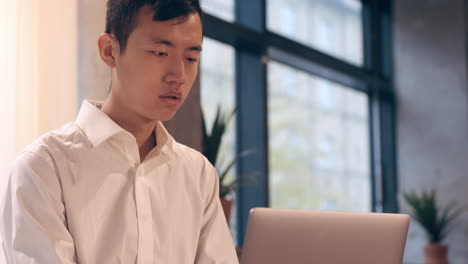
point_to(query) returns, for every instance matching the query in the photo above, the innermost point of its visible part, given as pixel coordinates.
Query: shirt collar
(99, 127)
(164, 141)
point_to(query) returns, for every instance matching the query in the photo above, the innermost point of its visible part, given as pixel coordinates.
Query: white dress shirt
(79, 194)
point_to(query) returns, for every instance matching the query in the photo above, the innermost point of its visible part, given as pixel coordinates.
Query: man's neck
(141, 130)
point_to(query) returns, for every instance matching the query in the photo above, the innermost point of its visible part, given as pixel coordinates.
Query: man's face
(157, 70)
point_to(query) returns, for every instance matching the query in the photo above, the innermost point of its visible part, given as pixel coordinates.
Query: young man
(114, 186)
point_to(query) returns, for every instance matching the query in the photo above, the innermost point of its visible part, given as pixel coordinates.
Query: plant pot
(435, 254)
(227, 207)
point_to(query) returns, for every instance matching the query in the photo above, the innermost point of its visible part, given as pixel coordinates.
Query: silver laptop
(287, 236)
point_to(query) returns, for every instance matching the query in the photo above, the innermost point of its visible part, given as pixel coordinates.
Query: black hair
(121, 15)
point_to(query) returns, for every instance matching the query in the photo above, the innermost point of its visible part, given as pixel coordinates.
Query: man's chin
(166, 116)
(162, 114)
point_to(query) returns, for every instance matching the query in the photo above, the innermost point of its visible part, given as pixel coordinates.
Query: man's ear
(107, 49)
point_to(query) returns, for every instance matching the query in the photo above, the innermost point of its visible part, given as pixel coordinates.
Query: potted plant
(436, 221)
(211, 142)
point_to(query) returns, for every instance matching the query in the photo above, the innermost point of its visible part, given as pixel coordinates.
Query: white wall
(94, 75)
(7, 93)
(431, 83)
(37, 73)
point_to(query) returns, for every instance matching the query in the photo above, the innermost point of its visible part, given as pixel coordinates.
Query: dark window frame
(253, 43)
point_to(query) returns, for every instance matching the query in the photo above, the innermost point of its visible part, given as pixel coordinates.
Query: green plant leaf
(211, 145)
(225, 171)
(437, 222)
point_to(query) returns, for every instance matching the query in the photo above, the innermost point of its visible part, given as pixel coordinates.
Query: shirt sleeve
(215, 245)
(33, 222)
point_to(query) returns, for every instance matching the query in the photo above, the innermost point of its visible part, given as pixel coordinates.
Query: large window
(331, 26)
(218, 91)
(223, 9)
(218, 85)
(312, 84)
(318, 143)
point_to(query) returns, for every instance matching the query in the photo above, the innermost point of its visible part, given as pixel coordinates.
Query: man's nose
(176, 71)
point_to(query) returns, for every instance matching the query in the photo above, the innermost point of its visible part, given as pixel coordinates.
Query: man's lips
(172, 98)
(172, 95)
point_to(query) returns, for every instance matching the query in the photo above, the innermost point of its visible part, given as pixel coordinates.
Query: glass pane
(218, 89)
(331, 26)
(221, 8)
(318, 143)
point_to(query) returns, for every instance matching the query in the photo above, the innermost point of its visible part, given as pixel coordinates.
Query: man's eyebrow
(195, 48)
(170, 44)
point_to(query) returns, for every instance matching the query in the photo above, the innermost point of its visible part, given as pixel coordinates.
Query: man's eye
(157, 53)
(192, 59)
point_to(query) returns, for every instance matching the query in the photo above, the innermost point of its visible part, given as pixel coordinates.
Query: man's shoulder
(182, 150)
(46, 144)
(37, 165)
(189, 154)
(197, 166)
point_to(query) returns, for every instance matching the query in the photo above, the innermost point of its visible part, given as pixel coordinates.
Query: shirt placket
(144, 218)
